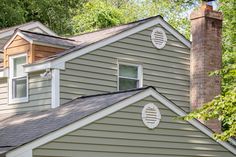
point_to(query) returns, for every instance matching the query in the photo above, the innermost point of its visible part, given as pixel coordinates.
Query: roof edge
(149, 91)
(77, 53)
(28, 25)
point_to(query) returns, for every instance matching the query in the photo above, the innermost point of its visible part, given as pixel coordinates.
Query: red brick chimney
(206, 26)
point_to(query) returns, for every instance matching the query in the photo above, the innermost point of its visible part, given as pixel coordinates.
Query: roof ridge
(103, 29)
(37, 33)
(109, 93)
(115, 92)
(19, 25)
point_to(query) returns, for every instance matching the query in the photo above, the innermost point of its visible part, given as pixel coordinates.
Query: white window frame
(12, 100)
(140, 73)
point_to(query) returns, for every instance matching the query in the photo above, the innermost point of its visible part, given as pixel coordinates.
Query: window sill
(16, 101)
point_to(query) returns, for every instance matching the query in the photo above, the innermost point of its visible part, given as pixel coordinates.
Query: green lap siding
(123, 134)
(166, 69)
(39, 96)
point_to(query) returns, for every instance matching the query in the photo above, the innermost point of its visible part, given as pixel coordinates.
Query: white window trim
(140, 73)
(12, 100)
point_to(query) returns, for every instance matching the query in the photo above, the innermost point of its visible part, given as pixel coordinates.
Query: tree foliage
(223, 107)
(68, 17)
(55, 14)
(97, 14)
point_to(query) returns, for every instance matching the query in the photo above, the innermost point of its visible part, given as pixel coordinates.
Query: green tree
(97, 14)
(223, 107)
(56, 14)
(11, 13)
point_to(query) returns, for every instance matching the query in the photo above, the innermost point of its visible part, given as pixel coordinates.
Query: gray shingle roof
(15, 27)
(86, 39)
(23, 128)
(49, 39)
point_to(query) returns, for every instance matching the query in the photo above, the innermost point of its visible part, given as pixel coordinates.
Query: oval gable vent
(151, 115)
(159, 38)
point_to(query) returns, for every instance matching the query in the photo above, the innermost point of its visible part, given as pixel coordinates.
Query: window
(18, 79)
(129, 76)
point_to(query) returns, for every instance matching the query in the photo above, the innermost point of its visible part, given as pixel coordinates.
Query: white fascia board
(119, 36)
(194, 122)
(175, 33)
(109, 110)
(42, 66)
(74, 126)
(13, 37)
(4, 73)
(45, 29)
(28, 27)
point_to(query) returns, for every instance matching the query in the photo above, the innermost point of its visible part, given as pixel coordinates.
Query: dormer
(25, 48)
(36, 46)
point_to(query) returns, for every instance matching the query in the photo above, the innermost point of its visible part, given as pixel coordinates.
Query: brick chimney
(206, 26)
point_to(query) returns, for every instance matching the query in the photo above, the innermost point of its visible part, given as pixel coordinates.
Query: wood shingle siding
(17, 46)
(39, 96)
(45, 51)
(166, 69)
(123, 134)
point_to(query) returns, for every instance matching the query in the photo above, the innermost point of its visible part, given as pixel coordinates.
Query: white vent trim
(158, 38)
(151, 115)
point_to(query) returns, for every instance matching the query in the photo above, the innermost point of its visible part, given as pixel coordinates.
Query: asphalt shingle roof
(15, 27)
(87, 39)
(49, 39)
(23, 128)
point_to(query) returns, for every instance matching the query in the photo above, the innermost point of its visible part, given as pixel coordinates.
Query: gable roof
(42, 39)
(26, 26)
(94, 36)
(94, 40)
(20, 133)
(20, 129)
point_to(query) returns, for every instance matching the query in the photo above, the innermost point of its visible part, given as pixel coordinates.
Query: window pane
(125, 84)
(18, 68)
(19, 88)
(128, 71)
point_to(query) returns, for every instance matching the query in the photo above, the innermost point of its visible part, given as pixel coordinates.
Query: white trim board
(101, 43)
(14, 36)
(28, 26)
(55, 88)
(109, 110)
(19, 33)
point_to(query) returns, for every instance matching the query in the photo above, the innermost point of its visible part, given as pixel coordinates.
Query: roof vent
(151, 115)
(159, 38)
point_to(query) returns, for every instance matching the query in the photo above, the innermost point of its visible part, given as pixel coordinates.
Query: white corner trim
(55, 88)
(119, 36)
(4, 73)
(109, 110)
(28, 27)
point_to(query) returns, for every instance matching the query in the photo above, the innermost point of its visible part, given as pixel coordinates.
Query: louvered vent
(151, 115)
(159, 38)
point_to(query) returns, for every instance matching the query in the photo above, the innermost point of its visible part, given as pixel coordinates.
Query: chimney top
(207, 5)
(206, 10)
